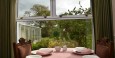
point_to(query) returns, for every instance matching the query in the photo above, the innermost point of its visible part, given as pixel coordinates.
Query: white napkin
(79, 49)
(34, 51)
(90, 56)
(33, 56)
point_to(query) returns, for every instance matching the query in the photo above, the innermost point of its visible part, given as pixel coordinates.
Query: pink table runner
(67, 54)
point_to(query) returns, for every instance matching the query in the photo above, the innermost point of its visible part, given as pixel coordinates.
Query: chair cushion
(24, 50)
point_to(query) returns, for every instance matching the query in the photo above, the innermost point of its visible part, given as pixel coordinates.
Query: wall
(113, 6)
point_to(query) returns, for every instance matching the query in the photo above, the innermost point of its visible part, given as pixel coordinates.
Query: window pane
(28, 8)
(72, 7)
(50, 33)
(28, 31)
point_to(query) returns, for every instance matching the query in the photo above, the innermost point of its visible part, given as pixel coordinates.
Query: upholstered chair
(104, 48)
(22, 49)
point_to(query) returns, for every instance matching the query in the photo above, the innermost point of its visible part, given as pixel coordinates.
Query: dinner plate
(90, 56)
(79, 49)
(33, 56)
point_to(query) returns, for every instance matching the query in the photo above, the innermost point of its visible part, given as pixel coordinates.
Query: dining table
(66, 54)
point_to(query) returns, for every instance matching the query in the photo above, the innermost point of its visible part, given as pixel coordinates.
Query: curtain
(103, 20)
(7, 28)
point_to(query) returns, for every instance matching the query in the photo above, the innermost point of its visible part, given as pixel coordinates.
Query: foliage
(51, 42)
(42, 43)
(63, 30)
(27, 13)
(79, 11)
(75, 30)
(40, 10)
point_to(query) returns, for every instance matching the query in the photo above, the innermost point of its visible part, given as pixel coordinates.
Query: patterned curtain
(7, 27)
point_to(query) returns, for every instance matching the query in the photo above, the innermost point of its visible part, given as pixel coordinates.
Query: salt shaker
(64, 48)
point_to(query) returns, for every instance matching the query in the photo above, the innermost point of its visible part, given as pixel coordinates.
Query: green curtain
(102, 19)
(7, 28)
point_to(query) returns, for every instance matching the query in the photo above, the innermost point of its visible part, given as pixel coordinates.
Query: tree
(76, 29)
(40, 10)
(27, 13)
(70, 29)
(79, 11)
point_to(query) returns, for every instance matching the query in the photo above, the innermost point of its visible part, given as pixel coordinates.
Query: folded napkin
(79, 49)
(86, 51)
(44, 52)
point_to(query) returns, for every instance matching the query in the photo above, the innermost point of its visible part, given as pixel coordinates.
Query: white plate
(33, 56)
(90, 56)
(79, 49)
(34, 51)
(74, 50)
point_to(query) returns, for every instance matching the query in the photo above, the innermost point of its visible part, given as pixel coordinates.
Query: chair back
(22, 49)
(104, 48)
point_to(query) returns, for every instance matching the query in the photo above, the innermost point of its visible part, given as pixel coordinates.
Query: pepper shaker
(64, 48)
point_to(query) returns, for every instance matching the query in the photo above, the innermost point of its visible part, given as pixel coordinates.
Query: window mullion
(53, 7)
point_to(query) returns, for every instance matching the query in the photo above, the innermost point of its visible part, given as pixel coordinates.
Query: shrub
(51, 43)
(42, 43)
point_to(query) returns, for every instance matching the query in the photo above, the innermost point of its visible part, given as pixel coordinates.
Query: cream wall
(113, 3)
(113, 6)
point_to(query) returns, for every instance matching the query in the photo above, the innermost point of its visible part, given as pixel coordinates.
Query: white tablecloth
(90, 56)
(33, 56)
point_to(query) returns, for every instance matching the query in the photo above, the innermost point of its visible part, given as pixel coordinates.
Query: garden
(73, 32)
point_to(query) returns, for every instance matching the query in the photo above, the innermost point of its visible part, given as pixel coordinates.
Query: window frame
(53, 16)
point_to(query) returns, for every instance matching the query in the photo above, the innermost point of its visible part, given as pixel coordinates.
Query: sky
(61, 5)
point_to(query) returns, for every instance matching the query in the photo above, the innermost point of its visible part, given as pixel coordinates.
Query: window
(52, 21)
(63, 6)
(28, 8)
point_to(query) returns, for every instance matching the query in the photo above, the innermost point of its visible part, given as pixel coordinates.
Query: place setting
(84, 52)
(40, 53)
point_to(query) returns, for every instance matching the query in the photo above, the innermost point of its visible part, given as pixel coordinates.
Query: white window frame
(53, 16)
(53, 7)
(56, 18)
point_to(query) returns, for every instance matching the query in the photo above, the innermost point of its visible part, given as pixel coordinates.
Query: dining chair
(104, 48)
(22, 49)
